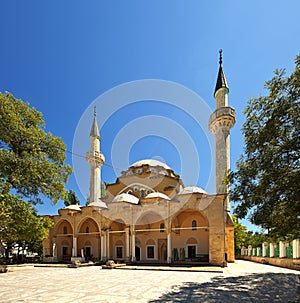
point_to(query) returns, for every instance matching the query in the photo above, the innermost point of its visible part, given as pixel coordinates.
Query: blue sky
(62, 56)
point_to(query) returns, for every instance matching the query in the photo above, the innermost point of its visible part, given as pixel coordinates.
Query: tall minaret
(95, 159)
(220, 123)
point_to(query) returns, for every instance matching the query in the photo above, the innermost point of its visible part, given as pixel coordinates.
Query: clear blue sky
(62, 55)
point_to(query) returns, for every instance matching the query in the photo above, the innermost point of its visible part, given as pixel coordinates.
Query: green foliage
(266, 183)
(31, 160)
(71, 198)
(240, 233)
(20, 223)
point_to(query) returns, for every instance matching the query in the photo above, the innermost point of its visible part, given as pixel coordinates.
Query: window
(142, 193)
(65, 230)
(129, 192)
(119, 252)
(148, 191)
(135, 188)
(162, 227)
(150, 252)
(87, 230)
(194, 225)
(139, 171)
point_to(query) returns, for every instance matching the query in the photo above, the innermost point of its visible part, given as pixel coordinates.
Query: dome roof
(126, 198)
(192, 190)
(150, 162)
(98, 204)
(157, 195)
(73, 207)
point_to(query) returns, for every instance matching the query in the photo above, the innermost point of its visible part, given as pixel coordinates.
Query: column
(127, 253)
(101, 247)
(249, 250)
(296, 248)
(74, 249)
(104, 247)
(169, 258)
(107, 245)
(133, 246)
(264, 249)
(271, 250)
(258, 251)
(282, 251)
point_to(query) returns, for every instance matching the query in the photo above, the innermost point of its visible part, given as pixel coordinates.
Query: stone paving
(242, 281)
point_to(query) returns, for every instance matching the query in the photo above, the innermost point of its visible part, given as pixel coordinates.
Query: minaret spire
(220, 123)
(95, 159)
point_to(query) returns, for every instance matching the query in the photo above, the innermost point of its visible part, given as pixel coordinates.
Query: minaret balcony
(95, 157)
(222, 117)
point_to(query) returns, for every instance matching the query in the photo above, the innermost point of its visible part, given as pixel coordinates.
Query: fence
(274, 250)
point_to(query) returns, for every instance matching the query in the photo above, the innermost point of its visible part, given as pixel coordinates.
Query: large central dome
(150, 162)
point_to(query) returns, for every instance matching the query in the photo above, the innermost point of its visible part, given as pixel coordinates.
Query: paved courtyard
(240, 282)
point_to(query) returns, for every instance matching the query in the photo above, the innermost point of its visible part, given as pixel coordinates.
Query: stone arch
(149, 219)
(89, 223)
(60, 226)
(117, 224)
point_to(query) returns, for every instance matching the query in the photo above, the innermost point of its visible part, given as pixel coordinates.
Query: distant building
(148, 215)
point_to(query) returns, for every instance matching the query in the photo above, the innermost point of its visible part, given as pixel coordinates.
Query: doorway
(137, 253)
(191, 251)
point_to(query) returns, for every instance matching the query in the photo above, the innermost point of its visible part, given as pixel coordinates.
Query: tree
(71, 198)
(266, 183)
(240, 234)
(31, 166)
(31, 160)
(20, 224)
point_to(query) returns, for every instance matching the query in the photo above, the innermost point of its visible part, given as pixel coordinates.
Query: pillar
(282, 250)
(264, 249)
(169, 255)
(133, 259)
(127, 238)
(102, 247)
(74, 249)
(296, 248)
(107, 245)
(272, 250)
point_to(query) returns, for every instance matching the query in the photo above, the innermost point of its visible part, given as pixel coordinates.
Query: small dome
(73, 207)
(98, 204)
(150, 162)
(157, 195)
(126, 198)
(192, 190)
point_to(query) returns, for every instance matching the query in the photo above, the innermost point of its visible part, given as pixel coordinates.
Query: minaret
(95, 160)
(220, 123)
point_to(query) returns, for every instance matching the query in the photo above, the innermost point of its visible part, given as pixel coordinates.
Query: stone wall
(281, 262)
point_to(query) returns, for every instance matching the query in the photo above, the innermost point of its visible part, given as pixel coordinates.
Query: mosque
(148, 215)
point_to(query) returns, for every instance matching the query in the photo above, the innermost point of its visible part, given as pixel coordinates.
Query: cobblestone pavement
(242, 281)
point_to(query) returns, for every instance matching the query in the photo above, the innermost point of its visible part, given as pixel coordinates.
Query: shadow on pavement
(267, 287)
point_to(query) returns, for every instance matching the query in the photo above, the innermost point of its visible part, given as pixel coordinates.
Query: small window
(194, 225)
(162, 227)
(135, 188)
(129, 192)
(65, 230)
(139, 171)
(149, 191)
(150, 252)
(142, 193)
(87, 230)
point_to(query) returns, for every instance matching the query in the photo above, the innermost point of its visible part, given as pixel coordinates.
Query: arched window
(87, 230)
(65, 230)
(129, 192)
(142, 193)
(162, 227)
(194, 225)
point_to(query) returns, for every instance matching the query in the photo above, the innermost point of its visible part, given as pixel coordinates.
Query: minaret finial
(220, 59)
(95, 112)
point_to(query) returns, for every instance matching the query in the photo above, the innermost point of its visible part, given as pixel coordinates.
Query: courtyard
(242, 281)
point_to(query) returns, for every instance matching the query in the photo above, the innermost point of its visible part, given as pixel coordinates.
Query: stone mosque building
(148, 215)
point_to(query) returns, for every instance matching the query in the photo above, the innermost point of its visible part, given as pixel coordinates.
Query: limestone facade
(148, 215)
